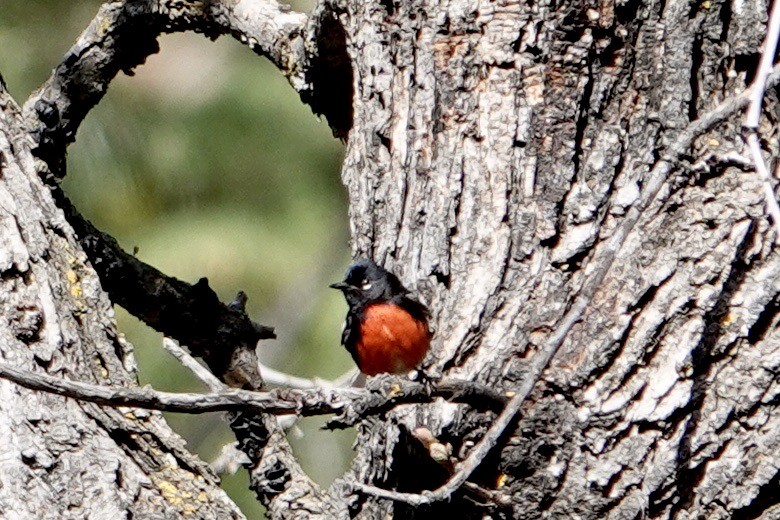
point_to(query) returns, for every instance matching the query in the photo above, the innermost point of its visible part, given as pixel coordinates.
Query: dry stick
(193, 403)
(753, 115)
(275, 377)
(656, 181)
(280, 402)
(270, 375)
(190, 363)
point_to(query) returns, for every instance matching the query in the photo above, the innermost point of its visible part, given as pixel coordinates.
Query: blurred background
(207, 162)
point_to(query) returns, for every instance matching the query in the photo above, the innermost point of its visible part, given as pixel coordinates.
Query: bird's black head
(366, 283)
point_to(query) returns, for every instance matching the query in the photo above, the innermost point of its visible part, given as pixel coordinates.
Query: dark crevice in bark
(697, 59)
(747, 63)
(725, 14)
(581, 124)
(389, 6)
(552, 241)
(765, 321)
(703, 356)
(612, 352)
(331, 76)
(574, 262)
(651, 344)
(767, 497)
(469, 344)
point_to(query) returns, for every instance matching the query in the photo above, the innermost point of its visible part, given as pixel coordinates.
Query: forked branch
(124, 33)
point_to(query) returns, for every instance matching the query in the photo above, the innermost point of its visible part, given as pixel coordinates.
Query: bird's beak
(341, 286)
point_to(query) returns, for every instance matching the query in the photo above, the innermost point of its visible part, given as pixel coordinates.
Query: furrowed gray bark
(496, 149)
(62, 458)
(557, 179)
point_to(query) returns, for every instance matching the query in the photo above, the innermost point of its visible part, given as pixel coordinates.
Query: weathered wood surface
(496, 147)
(61, 458)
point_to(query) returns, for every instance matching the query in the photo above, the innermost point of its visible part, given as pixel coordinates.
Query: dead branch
(353, 403)
(191, 364)
(123, 34)
(120, 38)
(223, 335)
(753, 116)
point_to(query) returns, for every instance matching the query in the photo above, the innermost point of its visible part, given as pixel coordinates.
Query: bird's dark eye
(365, 284)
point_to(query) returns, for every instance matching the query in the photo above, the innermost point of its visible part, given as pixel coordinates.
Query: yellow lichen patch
(75, 286)
(393, 391)
(185, 501)
(104, 26)
(170, 492)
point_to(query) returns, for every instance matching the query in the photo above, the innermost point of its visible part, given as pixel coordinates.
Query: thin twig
(764, 70)
(270, 375)
(603, 262)
(215, 385)
(753, 116)
(189, 362)
(277, 378)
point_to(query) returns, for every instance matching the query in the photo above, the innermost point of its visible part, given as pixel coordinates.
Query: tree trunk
(61, 458)
(499, 152)
(561, 182)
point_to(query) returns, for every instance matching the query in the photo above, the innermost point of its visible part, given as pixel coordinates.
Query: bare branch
(124, 33)
(310, 403)
(384, 394)
(223, 335)
(764, 71)
(277, 378)
(606, 257)
(189, 362)
(753, 115)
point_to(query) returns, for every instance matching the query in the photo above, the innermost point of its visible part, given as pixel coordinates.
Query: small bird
(386, 330)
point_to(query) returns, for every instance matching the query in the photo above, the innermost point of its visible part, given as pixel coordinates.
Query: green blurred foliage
(207, 162)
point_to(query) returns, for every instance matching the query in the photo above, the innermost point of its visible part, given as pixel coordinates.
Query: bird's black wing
(416, 309)
(350, 335)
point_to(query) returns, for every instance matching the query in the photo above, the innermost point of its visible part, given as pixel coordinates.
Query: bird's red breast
(391, 340)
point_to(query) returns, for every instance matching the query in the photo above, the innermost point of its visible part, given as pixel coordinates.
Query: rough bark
(61, 458)
(497, 147)
(554, 179)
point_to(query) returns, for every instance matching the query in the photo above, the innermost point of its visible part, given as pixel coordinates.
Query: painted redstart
(386, 330)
